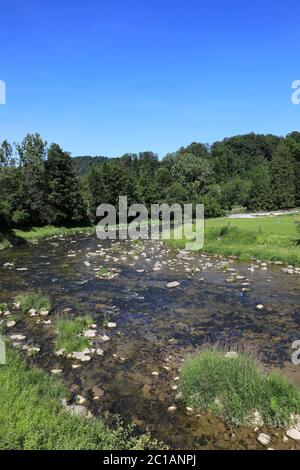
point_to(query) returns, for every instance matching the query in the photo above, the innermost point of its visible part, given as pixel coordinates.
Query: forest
(42, 184)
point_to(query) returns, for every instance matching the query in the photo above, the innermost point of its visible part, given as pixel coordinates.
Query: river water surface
(156, 328)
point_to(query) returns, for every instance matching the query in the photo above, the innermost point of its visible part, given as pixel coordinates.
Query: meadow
(266, 238)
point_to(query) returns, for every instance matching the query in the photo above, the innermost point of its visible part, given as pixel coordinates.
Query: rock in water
(173, 284)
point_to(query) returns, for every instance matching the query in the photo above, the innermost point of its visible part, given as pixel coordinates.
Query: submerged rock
(89, 333)
(56, 371)
(172, 408)
(172, 284)
(18, 337)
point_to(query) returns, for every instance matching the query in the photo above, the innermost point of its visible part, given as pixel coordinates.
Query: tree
(282, 178)
(260, 197)
(32, 154)
(6, 153)
(65, 203)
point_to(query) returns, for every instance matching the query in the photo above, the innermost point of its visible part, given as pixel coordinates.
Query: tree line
(41, 184)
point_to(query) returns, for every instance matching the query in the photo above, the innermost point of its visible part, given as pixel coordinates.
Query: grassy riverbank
(16, 236)
(31, 416)
(266, 238)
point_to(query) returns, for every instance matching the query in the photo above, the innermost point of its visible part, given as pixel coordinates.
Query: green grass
(68, 331)
(37, 301)
(31, 416)
(38, 233)
(3, 307)
(233, 388)
(266, 238)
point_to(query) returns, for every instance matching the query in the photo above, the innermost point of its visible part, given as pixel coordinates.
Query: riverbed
(156, 326)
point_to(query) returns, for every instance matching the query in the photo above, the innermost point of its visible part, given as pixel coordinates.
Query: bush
(20, 218)
(235, 387)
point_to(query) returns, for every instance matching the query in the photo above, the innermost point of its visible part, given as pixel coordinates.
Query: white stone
(99, 352)
(80, 400)
(264, 439)
(172, 408)
(44, 312)
(18, 337)
(173, 284)
(293, 434)
(260, 307)
(56, 371)
(104, 338)
(89, 333)
(60, 352)
(11, 323)
(111, 325)
(231, 354)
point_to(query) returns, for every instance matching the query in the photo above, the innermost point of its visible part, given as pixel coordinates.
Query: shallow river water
(156, 328)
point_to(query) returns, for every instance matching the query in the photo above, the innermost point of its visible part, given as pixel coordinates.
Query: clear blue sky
(109, 77)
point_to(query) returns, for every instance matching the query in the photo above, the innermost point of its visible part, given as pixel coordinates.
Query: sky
(118, 76)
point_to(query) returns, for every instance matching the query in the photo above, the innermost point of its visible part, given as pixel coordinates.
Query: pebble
(89, 333)
(155, 373)
(10, 324)
(80, 400)
(44, 312)
(56, 371)
(32, 312)
(231, 354)
(259, 307)
(264, 439)
(18, 337)
(172, 408)
(173, 284)
(111, 325)
(293, 434)
(104, 338)
(60, 352)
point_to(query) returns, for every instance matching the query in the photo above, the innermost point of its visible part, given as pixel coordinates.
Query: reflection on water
(156, 326)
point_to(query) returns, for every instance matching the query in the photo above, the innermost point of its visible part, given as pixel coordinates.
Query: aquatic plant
(70, 333)
(37, 301)
(235, 387)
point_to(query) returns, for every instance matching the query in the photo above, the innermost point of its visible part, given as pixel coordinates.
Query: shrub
(234, 387)
(20, 218)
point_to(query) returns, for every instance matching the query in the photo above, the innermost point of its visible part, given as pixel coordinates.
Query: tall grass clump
(235, 387)
(38, 301)
(70, 334)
